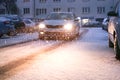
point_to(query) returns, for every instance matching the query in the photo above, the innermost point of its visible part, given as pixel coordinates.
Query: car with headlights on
(59, 25)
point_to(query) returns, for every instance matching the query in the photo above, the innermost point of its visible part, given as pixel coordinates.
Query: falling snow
(87, 58)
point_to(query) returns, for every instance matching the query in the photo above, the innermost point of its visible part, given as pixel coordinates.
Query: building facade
(93, 9)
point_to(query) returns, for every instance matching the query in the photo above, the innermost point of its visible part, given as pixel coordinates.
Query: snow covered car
(59, 25)
(16, 20)
(6, 27)
(30, 26)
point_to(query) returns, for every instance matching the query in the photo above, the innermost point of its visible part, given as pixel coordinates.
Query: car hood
(57, 22)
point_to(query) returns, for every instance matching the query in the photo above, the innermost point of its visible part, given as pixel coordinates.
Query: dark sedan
(114, 30)
(6, 27)
(17, 21)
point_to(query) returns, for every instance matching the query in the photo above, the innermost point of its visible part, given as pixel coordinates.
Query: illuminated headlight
(42, 26)
(68, 26)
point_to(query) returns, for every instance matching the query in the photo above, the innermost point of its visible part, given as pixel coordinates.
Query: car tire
(1, 35)
(110, 43)
(12, 33)
(117, 49)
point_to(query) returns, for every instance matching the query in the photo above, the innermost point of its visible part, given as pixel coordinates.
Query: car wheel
(110, 43)
(12, 33)
(1, 35)
(117, 49)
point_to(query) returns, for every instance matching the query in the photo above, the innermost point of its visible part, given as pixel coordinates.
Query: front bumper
(56, 34)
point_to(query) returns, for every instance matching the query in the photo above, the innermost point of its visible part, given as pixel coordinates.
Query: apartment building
(93, 9)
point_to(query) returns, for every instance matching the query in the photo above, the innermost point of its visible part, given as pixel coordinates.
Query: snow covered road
(88, 58)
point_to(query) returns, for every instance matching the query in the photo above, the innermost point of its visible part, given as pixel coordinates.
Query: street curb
(7, 45)
(15, 42)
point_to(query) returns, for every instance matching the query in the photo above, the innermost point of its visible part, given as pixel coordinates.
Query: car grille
(54, 33)
(56, 26)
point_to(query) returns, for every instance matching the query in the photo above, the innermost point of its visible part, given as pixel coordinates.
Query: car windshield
(60, 16)
(27, 21)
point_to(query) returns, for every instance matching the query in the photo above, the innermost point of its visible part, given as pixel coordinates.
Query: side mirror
(112, 13)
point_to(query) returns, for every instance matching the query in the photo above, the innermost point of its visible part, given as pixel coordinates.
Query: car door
(117, 23)
(111, 28)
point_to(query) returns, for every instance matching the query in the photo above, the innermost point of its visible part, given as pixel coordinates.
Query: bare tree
(10, 6)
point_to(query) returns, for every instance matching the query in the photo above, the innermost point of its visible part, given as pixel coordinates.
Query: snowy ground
(19, 38)
(88, 58)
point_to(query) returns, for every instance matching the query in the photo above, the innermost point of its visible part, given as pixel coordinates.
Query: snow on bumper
(57, 33)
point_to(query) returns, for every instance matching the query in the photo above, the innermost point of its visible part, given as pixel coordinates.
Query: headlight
(42, 26)
(68, 26)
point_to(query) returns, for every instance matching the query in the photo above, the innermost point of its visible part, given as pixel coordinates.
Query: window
(56, 0)
(86, 10)
(57, 9)
(85, 0)
(100, 10)
(26, 0)
(72, 9)
(70, 0)
(2, 11)
(41, 11)
(26, 10)
(42, 1)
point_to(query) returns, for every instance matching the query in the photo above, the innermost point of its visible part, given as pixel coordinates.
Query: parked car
(6, 27)
(91, 23)
(59, 25)
(105, 24)
(17, 21)
(30, 26)
(114, 30)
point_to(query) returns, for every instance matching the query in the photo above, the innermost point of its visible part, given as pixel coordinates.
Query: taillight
(6, 22)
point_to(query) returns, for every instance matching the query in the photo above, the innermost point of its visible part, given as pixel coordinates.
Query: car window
(55, 16)
(27, 21)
